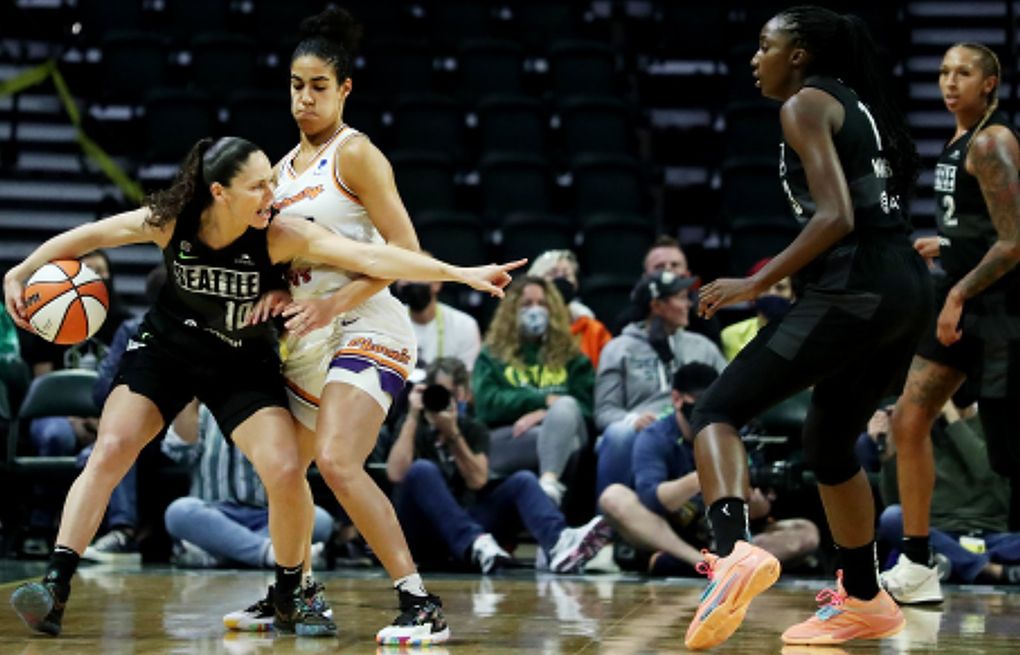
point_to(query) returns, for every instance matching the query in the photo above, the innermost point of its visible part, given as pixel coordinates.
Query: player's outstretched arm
(118, 230)
(292, 237)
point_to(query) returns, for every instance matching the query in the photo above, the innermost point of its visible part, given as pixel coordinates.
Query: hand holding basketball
(64, 301)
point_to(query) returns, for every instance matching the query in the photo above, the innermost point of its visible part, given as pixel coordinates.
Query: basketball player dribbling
(196, 342)
(846, 159)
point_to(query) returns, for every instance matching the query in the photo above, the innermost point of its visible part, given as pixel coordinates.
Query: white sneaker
(488, 554)
(576, 546)
(554, 489)
(910, 583)
(603, 561)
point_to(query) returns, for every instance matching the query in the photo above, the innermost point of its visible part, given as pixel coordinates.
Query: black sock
(917, 550)
(287, 582)
(860, 571)
(728, 517)
(1014, 505)
(63, 564)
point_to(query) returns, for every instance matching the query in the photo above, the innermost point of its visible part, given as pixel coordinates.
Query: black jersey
(859, 147)
(210, 293)
(966, 231)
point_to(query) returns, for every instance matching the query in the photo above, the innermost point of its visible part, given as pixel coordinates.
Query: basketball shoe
(576, 546)
(911, 583)
(302, 613)
(844, 617)
(419, 623)
(40, 605)
(258, 617)
(734, 581)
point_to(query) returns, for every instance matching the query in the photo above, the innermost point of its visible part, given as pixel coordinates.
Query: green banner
(33, 76)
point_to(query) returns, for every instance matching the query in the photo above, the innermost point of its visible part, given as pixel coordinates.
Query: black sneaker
(114, 547)
(257, 617)
(420, 623)
(40, 605)
(303, 615)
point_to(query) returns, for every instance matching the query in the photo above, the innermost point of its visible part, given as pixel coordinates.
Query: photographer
(664, 512)
(441, 466)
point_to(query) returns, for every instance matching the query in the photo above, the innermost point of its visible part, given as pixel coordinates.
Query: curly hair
(504, 336)
(333, 36)
(208, 161)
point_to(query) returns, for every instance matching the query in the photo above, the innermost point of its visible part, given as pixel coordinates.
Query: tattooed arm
(994, 158)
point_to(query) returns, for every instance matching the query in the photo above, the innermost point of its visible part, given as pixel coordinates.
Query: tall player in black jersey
(977, 334)
(846, 158)
(197, 341)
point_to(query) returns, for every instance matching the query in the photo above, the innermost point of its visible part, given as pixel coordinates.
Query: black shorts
(988, 353)
(233, 387)
(853, 344)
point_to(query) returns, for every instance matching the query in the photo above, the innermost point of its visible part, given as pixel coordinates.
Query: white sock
(411, 584)
(307, 580)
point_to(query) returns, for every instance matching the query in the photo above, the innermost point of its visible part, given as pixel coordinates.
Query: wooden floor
(159, 610)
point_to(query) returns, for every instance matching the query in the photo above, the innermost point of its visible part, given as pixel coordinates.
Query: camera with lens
(436, 398)
(783, 476)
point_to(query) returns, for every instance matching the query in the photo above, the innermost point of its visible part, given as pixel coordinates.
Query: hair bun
(334, 24)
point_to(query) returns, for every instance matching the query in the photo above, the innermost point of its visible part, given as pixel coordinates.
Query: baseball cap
(660, 284)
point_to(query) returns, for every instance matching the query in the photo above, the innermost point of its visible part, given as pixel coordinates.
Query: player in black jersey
(977, 334)
(845, 160)
(197, 342)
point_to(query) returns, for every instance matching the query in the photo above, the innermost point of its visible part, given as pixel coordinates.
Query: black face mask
(566, 289)
(688, 411)
(416, 296)
(772, 307)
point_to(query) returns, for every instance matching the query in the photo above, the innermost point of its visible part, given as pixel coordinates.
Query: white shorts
(374, 358)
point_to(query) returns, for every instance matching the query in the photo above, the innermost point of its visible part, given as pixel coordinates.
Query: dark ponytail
(333, 36)
(841, 46)
(208, 161)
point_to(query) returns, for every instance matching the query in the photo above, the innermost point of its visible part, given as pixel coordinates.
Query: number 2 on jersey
(949, 217)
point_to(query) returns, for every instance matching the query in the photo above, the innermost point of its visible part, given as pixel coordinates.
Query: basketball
(65, 301)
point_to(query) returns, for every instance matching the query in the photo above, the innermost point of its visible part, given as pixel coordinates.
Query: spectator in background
(67, 435)
(664, 512)
(561, 268)
(632, 388)
(440, 330)
(441, 467)
(969, 510)
(119, 544)
(533, 386)
(772, 304)
(665, 254)
(225, 518)
(61, 436)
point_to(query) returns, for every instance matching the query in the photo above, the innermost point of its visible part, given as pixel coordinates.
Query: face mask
(416, 296)
(462, 408)
(687, 411)
(566, 289)
(772, 307)
(533, 321)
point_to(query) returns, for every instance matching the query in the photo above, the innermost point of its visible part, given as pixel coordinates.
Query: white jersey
(378, 332)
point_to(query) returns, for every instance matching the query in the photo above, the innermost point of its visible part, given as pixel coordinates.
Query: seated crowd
(544, 437)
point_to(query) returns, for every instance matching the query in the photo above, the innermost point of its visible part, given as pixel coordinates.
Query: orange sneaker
(734, 582)
(844, 617)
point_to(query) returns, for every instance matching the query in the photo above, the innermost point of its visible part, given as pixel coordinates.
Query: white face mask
(533, 321)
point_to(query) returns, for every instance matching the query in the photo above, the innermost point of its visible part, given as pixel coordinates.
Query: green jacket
(969, 495)
(504, 393)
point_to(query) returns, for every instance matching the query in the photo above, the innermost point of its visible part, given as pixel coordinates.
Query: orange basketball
(65, 301)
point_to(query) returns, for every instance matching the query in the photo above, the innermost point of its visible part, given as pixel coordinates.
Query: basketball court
(162, 610)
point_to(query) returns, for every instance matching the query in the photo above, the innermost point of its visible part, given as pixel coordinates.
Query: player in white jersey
(351, 345)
